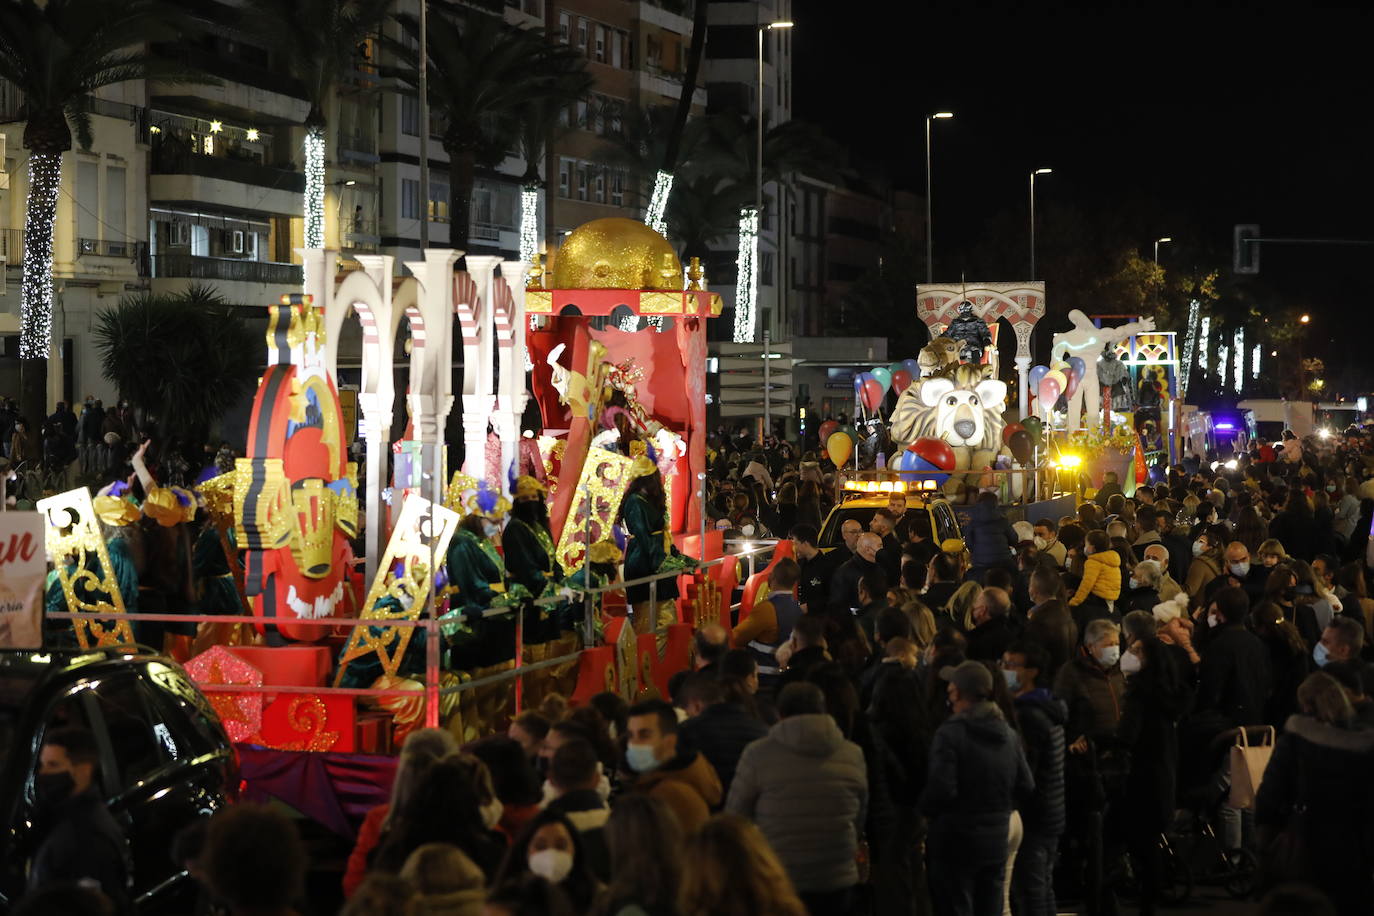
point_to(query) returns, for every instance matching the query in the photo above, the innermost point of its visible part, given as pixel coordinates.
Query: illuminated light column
(1238, 364)
(529, 224)
(1202, 352)
(746, 282)
(35, 303)
(1255, 362)
(1189, 346)
(314, 187)
(658, 203)
(1223, 352)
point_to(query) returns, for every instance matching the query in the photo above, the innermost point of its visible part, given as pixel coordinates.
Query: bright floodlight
(1305, 318)
(784, 24)
(943, 114)
(1043, 171)
(1163, 240)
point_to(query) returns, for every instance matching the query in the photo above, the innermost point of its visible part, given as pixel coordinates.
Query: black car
(165, 760)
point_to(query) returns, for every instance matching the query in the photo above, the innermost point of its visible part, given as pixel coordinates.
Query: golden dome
(616, 253)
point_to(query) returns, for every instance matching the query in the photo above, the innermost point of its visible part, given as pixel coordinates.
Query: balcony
(359, 235)
(232, 270)
(172, 158)
(357, 147)
(249, 91)
(104, 248)
(180, 175)
(12, 246)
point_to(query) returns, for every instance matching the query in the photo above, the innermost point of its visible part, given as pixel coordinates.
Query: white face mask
(1108, 655)
(1040, 542)
(1130, 664)
(1198, 548)
(491, 529)
(1213, 621)
(551, 864)
(491, 813)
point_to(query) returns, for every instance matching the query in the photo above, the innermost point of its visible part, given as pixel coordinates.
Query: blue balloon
(859, 379)
(1036, 374)
(910, 365)
(1077, 365)
(913, 467)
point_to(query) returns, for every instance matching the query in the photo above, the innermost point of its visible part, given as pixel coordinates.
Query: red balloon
(828, 427)
(1049, 391)
(872, 393)
(936, 451)
(1074, 375)
(1010, 430)
(901, 380)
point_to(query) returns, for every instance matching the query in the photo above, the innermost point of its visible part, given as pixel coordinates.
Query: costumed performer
(603, 561)
(644, 513)
(476, 582)
(527, 545)
(123, 543)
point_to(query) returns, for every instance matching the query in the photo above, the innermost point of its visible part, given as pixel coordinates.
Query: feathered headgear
(488, 502)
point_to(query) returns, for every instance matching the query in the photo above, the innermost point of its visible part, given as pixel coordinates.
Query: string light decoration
(529, 224)
(747, 281)
(1189, 345)
(1255, 362)
(658, 203)
(1202, 352)
(314, 187)
(35, 310)
(1238, 364)
(1223, 352)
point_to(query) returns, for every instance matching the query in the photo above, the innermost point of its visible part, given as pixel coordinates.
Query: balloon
(1036, 374)
(1009, 430)
(901, 380)
(1059, 377)
(936, 451)
(1020, 445)
(850, 432)
(859, 379)
(883, 377)
(912, 367)
(913, 467)
(1049, 389)
(839, 447)
(894, 368)
(1076, 363)
(1072, 378)
(872, 394)
(1035, 428)
(826, 428)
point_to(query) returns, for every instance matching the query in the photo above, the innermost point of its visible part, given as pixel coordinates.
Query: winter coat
(1297, 532)
(1234, 679)
(1041, 717)
(688, 785)
(1053, 628)
(1093, 695)
(989, 536)
(1148, 731)
(588, 813)
(988, 640)
(844, 585)
(1316, 785)
(1101, 577)
(83, 844)
(720, 734)
(978, 774)
(1201, 571)
(806, 788)
(369, 835)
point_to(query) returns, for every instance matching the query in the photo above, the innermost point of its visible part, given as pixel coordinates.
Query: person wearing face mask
(575, 775)
(1100, 586)
(1168, 587)
(1240, 573)
(1342, 641)
(476, 582)
(1207, 561)
(1143, 587)
(1282, 588)
(1157, 696)
(80, 841)
(1091, 686)
(1047, 541)
(644, 513)
(683, 780)
(551, 848)
(527, 543)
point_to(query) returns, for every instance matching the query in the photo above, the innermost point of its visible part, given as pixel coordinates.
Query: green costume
(477, 578)
(649, 551)
(214, 580)
(529, 557)
(126, 576)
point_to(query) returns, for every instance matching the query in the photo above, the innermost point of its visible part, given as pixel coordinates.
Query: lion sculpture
(964, 409)
(938, 356)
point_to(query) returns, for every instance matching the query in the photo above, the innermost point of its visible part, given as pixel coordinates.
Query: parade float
(346, 656)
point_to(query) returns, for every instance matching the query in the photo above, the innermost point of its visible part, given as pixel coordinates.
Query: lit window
(564, 26)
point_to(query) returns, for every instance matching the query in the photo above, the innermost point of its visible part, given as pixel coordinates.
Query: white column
(1023, 384)
(478, 371)
(513, 396)
(375, 423)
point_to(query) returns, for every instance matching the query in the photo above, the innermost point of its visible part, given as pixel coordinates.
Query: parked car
(165, 760)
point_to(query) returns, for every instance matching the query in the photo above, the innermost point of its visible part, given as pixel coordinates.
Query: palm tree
(319, 39)
(663, 178)
(58, 53)
(185, 358)
(483, 77)
(539, 126)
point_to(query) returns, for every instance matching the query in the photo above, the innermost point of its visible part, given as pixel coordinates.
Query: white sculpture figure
(1086, 342)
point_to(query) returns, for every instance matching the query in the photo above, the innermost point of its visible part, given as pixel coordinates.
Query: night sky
(1200, 120)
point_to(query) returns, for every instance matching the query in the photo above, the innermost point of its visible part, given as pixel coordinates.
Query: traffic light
(1245, 254)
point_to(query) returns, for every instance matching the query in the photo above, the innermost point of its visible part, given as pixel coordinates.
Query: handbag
(1248, 762)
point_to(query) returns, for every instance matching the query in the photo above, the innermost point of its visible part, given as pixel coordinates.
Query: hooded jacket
(978, 775)
(990, 536)
(1041, 716)
(688, 785)
(806, 788)
(1101, 577)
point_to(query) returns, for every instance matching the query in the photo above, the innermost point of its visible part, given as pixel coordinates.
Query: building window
(410, 115)
(565, 167)
(582, 35)
(617, 48)
(438, 201)
(564, 26)
(581, 181)
(600, 194)
(600, 55)
(581, 121)
(410, 199)
(766, 268)
(618, 187)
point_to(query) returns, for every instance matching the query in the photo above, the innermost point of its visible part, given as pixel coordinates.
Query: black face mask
(53, 788)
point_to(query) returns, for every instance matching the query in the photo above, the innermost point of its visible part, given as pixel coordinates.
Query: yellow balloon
(1060, 377)
(839, 447)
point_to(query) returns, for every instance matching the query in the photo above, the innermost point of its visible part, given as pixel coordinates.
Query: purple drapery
(336, 790)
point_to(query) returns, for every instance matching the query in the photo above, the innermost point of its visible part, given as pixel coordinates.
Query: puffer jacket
(978, 775)
(806, 788)
(1101, 577)
(1041, 716)
(1093, 695)
(990, 536)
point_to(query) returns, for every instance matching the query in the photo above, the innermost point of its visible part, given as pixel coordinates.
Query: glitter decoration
(746, 283)
(314, 187)
(35, 304)
(529, 225)
(307, 716)
(239, 713)
(605, 478)
(655, 217)
(613, 253)
(76, 544)
(1204, 331)
(1238, 363)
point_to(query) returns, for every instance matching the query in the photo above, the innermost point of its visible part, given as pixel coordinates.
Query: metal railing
(357, 142)
(105, 248)
(432, 627)
(170, 158)
(487, 232)
(197, 267)
(12, 246)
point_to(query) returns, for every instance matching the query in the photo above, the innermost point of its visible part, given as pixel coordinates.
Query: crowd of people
(1003, 723)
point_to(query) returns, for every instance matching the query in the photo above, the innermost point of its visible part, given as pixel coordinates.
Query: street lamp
(1032, 215)
(930, 234)
(1305, 318)
(758, 198)
(1166, 240)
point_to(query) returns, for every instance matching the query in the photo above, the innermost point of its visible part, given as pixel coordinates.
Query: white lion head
(960, 412)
